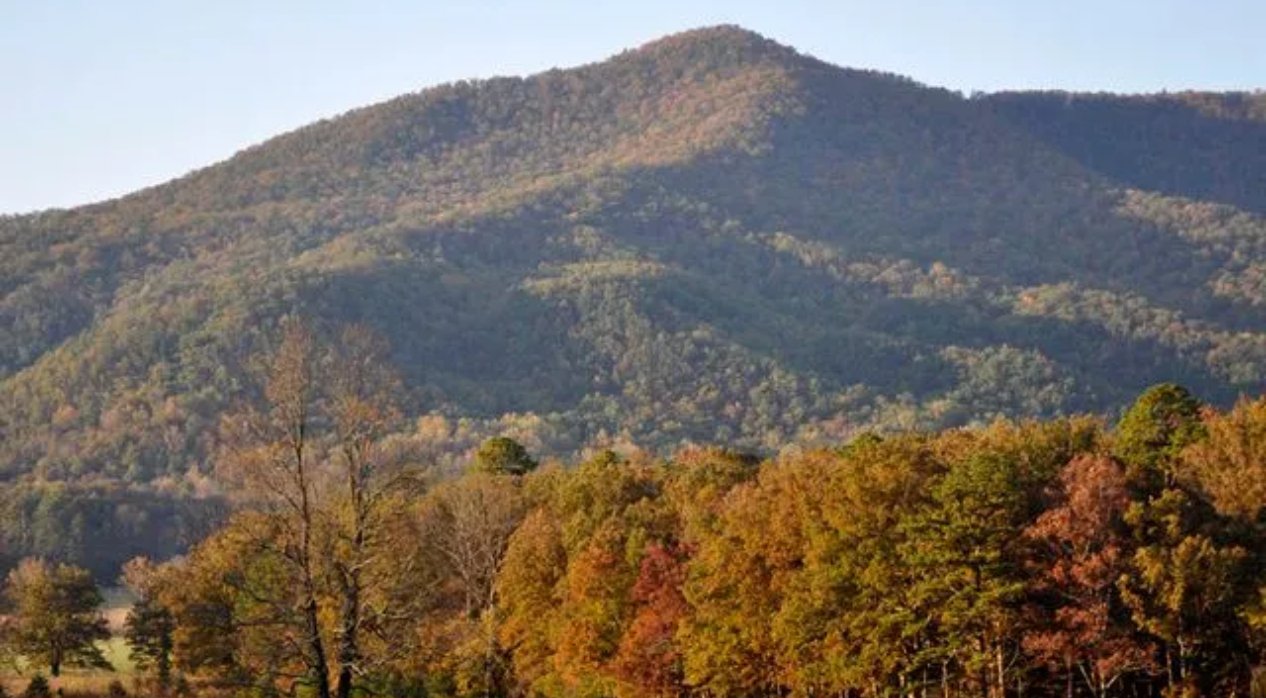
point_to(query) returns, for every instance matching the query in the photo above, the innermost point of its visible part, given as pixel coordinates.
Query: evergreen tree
(56, 619)
(1158, 426)
(149, 625)
(502, 455)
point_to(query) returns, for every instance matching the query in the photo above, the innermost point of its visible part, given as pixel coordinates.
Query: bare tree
(361, 406)
(317, 455)
(270, 455)
(469, 523)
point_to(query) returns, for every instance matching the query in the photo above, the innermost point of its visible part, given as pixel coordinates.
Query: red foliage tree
(1082, 553)
(648, 661)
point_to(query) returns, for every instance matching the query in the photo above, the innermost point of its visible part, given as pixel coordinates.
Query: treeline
(1036, 558)
(100, 526)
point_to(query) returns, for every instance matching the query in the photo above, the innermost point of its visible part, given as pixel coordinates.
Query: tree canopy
(1015, 557)
(55, 620)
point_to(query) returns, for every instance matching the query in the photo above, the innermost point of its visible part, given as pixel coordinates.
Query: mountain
(709, 238)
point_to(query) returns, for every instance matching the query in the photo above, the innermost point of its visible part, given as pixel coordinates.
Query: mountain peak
(732, 34)
(723, 40)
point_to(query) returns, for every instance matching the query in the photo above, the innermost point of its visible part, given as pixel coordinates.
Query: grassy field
(87, 681)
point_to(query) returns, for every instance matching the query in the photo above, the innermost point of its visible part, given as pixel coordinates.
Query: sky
(102, 97)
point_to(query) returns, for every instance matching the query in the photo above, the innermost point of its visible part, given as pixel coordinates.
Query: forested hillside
(709, 238)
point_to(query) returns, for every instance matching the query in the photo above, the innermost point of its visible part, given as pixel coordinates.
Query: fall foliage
(1013, 559)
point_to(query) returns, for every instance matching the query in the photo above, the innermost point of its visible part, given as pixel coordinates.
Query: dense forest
(709, 239)
(1039, 558)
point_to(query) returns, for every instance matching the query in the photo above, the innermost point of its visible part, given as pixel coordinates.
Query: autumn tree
(55, 618)
(1231, 463)
(847, 622)
(1186, 578)
(648, 661)
(1186, 588)
(468, 524)
(1082, 549)
(1230, 466)
(737, 580)
(234, 600)
(609, 509)
(272, 453)
(697, 482)
(361, 406)
(313, 453)
(570, 568)
(535, 563)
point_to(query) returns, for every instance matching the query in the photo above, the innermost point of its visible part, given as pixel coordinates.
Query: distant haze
(104, 98)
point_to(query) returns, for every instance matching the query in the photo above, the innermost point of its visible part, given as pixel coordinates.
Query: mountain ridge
(636, 186)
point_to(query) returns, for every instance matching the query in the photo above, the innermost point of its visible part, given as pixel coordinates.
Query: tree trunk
(983, 676)
(1000, 660)
(348, 650)
(316, 648)
(349, 615)
(1182, 660)
(311, 618)
(312, 622)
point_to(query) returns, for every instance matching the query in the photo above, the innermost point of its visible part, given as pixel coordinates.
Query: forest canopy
(1049, 558)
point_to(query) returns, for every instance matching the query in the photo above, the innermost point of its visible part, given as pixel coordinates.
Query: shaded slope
(1196, 145)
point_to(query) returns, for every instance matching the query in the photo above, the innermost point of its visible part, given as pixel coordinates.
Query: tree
(738, 579)
(1231, 468)
(56, 619)
(569, 570)
(1231, 464)
(963, 548)
(315, 455)
(149, 624)
(848, 623)
(361, 406)
(502, 455)
(649, 661)
(1158, 426)
(468, 524)
(271, 453)
(1082, 550)
(234, 603)
(1186, 589)
(1186, 580)
(535, 563)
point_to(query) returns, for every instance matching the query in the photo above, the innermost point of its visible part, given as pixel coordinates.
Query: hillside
(711, 237)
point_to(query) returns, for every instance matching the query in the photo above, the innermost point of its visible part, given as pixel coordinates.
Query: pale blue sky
(101, 97)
